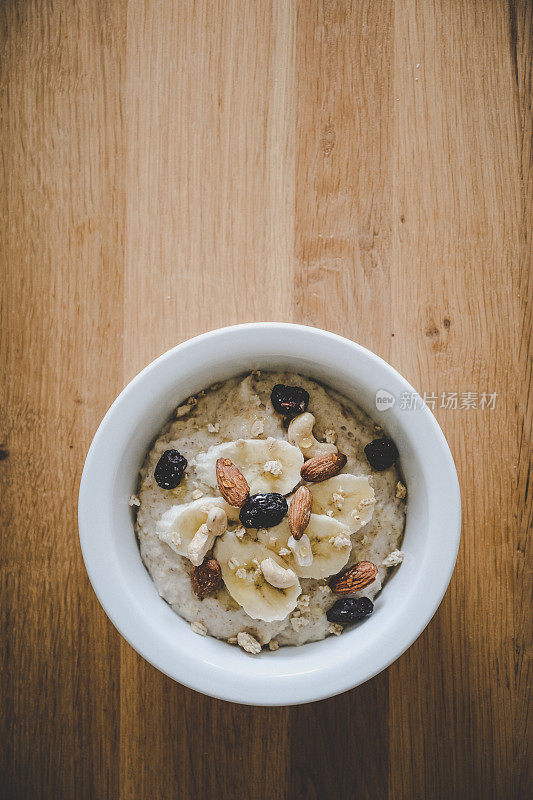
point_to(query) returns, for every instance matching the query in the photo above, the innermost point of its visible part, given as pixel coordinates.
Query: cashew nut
(276, 575)
(217, 521)
(204, 538)
(300, 433)
(301, 549)
(200, 544)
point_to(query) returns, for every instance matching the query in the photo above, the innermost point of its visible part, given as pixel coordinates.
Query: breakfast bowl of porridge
(259, 523)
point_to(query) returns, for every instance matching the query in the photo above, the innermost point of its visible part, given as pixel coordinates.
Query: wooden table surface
(170, 167)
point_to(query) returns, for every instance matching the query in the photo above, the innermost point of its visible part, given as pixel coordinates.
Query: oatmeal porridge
(270, 511)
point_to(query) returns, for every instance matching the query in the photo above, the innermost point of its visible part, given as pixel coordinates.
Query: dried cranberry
(381, 453)
(170, 469)
(263, 510)
(289, 400)
(350, 609)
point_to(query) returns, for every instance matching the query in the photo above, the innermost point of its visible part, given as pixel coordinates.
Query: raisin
(350, 609)
(206, 578)
(263, 510)
(289, 400)
(170, 469)
(381, 453)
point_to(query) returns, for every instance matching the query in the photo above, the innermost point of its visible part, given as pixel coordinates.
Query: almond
(355, 578)
(321, 468)
(206, 578)
(232, 484)
(300, 511)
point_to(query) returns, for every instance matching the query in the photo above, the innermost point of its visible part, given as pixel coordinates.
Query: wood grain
(172, 167)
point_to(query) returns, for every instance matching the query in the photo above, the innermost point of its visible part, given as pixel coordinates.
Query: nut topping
(300, 511)
(355, 578)
(232, 484)
(300, 434)
(276, 575)
(323, 467)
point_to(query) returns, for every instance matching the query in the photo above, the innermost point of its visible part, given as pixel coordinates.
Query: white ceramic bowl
(292, 674)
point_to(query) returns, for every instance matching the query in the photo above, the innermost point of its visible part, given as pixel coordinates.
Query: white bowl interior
(126, 591)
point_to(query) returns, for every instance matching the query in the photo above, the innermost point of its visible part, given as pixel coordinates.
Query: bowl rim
(233, 693)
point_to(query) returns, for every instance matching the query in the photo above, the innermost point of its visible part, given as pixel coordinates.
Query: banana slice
(329, 541)
(346, 498)
(240, 562)
(269, 465)
(180, 523)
